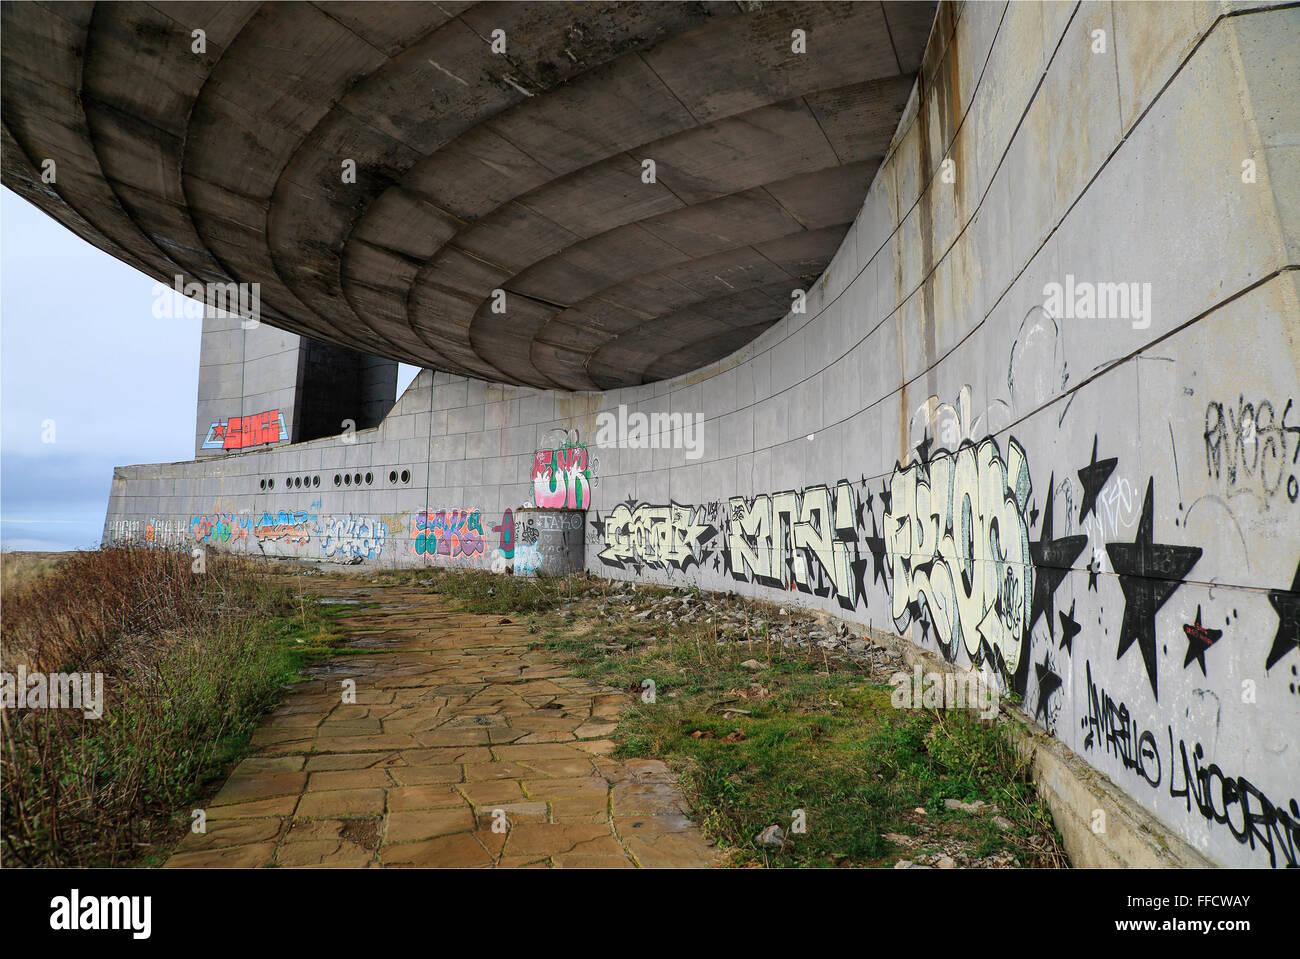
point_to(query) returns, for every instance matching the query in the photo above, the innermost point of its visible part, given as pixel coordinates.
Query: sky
(89, 379)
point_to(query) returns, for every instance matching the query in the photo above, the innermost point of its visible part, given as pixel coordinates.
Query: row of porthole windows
(355, 479)
(292, 482)
(340, 479)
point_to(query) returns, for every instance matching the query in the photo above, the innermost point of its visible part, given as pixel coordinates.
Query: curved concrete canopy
(475, 170)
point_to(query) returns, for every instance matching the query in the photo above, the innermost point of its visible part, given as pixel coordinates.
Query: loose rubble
(740, 619)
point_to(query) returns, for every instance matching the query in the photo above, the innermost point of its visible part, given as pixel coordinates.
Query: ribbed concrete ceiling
(474, 170)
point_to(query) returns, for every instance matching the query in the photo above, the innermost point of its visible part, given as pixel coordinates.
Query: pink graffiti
(219, 528)
(452, 534)
(507, 531)
(561, 477)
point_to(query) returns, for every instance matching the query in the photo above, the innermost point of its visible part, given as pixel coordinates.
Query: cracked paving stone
(404, 798)
(232, 832)
(234, 857)
(342, 802)
(241, 788)
(348, 779)
(515, 813)
(427, 823)
(322, 852)
(458, 850)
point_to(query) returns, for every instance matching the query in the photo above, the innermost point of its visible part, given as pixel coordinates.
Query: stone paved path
(455, 724)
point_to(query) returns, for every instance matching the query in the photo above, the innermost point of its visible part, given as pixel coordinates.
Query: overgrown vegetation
(190, 662)
(480, 591)
(795, 729)
(810, 733)
(18, 568)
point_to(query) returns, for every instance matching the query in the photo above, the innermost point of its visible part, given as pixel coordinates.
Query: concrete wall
(242, 372)
(305, 387)
(1103, 511)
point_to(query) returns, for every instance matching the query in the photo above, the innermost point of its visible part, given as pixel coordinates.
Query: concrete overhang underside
(213, 141)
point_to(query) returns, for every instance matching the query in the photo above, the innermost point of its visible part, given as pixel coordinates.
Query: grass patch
(190, 663)
(20, 567)
(805, 731)
(482, 591)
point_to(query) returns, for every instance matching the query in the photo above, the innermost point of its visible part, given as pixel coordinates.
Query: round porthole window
(270, 484)
(406, 476)
(357, 479)
(392, 476)
(263, 484)
(370, 478)
(338, 480)
(315, 481)
(347, 480)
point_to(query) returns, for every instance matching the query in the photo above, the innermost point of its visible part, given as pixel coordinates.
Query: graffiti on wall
(956, 534)
(452, 536)
(150, 532)
(638, 536)
(805, 540)
(563, 473)
(527, 553)
(1221, 800)
(974, 560)
(241, 432)
(164, 532)
(505, 531)
(353, 537)
(449, 534)
(217, 528)
(291, 527)
(1250, 447)
(504, 558)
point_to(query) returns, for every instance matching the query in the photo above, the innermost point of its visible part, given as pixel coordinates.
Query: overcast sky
(89, 380)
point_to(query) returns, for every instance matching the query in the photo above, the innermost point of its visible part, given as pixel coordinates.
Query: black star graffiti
(987, 651)
(1199, 639)
(859, 521)
(1052, 560)
(1048, 683)
(1092, 574)
(1094, 477)
(1149, 572)
(886, 499)
(859, 568)
(924, 622)
(876, 543)
(598, 525)
(1069, 629)
(1287, 605)
(923, 448)
(1033, 512)
(717, 562)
